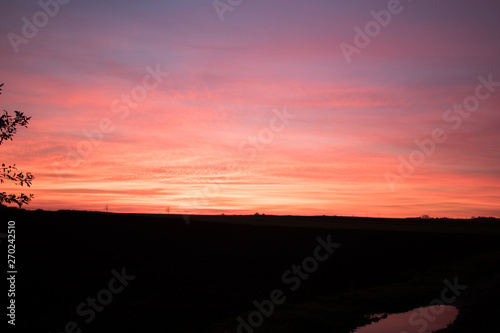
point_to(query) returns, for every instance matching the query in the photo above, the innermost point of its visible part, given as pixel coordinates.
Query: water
(419, 320)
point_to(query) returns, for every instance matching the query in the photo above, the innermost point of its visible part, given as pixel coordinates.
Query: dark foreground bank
(98, 272)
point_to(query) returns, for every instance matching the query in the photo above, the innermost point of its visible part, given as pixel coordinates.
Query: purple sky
(208, 137)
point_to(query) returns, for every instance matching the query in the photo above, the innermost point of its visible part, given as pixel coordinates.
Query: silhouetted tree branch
(8, 127)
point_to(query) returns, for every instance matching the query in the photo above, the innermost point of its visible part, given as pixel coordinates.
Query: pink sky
(187, 142)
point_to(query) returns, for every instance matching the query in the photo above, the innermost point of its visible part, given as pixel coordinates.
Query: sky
(364, 108)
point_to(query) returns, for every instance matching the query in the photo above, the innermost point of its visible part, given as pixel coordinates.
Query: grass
(200, 277)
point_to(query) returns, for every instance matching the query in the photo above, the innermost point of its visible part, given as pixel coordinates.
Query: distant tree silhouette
(8, 127)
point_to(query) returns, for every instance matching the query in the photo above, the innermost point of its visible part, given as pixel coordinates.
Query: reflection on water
(420, 320)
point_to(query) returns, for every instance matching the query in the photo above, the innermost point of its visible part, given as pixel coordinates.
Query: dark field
(201, 277)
